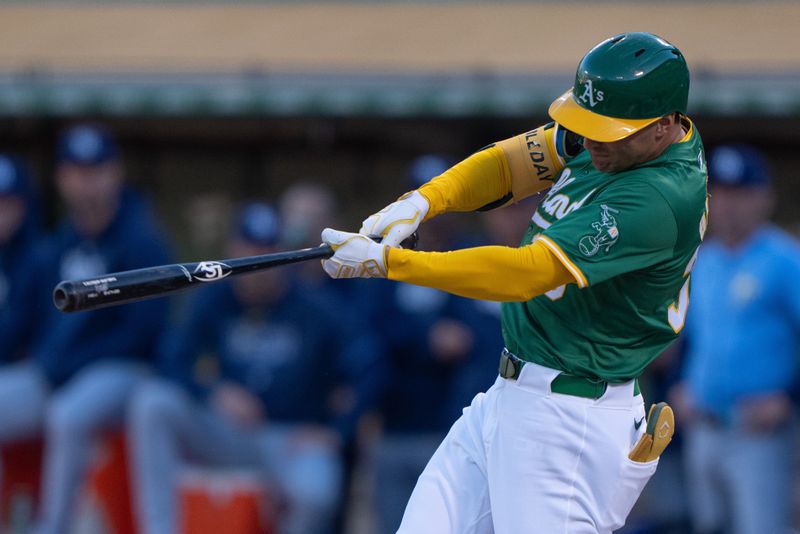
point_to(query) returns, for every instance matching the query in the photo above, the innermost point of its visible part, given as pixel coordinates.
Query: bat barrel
(120, 288)
(140, 284)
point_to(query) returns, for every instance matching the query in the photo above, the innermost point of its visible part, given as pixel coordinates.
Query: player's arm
(496, 273)
(510, 170)
(503, 274)
(507, 171)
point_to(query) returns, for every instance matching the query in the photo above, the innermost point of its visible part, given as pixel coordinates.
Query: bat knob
(63, 298)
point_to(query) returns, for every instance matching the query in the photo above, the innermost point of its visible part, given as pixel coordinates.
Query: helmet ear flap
(568, 143)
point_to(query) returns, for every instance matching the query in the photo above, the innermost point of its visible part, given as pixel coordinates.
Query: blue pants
(399, 460)
(738, 481)
(167, 428)
(70, 417)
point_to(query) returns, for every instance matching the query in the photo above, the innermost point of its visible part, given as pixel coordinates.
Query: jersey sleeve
(627, 227)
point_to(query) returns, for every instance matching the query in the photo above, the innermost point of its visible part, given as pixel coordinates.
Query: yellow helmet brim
(572, 116)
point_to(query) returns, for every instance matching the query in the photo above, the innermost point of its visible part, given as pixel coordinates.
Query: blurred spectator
(84, 365)
(306, 209)
(441, 351)
(741, 359)
(23, 295)
(271, 405)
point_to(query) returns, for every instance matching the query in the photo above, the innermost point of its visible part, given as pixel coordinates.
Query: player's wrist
(399, 263)
(419, 201)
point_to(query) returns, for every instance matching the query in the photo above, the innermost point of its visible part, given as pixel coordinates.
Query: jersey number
(557, 293)
(676, 312)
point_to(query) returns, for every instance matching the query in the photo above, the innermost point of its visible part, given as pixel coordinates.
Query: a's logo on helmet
(590, 95)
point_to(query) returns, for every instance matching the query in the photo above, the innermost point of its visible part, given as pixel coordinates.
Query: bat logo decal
(211, 271)
(186, 272)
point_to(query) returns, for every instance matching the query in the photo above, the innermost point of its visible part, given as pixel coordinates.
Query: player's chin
(607, 164)
(602, 164)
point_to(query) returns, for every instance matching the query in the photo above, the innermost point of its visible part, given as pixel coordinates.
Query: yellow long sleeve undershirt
(496, 273)
(482, 178)
(513, 168)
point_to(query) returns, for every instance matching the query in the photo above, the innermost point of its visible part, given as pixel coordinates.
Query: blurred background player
(23, 298)
(305, 207)
(742, 341)
(84, 365)
(440, 350)
(268, 406)
(24, 302)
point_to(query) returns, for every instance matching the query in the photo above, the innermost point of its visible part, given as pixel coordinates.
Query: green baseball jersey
(630, 240)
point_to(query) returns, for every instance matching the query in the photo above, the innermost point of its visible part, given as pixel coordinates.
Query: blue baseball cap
(86, 144)
(258, 223)
(738, 165)
(424, 168)
(14, 179)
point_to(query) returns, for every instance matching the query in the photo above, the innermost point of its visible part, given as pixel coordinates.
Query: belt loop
(508, 368)
(600, 387)
(510, 365)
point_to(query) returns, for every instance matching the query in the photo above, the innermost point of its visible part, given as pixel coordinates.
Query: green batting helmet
(622, 85)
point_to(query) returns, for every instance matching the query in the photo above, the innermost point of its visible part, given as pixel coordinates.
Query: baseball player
(597, 289)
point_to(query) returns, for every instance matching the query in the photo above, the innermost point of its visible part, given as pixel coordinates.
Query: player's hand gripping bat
(140, 284)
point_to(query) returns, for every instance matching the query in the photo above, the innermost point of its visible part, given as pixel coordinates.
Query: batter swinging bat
(140, 284)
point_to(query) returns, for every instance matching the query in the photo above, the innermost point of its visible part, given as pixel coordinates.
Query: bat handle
(410, 242)
(326, 251)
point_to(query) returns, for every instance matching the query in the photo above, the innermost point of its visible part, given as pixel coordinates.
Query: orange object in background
(211, 501)
(234, 502)
(22, 466)
(106, 501)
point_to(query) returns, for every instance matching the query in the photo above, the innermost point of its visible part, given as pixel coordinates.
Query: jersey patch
(606, 234)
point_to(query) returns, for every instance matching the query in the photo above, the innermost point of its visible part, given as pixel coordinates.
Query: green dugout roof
(353, 94)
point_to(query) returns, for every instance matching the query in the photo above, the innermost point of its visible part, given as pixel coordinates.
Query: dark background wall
(197, 169)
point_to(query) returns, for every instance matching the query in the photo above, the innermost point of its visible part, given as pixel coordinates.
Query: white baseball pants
(522, 459)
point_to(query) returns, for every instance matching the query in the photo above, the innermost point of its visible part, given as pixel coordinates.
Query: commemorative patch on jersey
(605, 236)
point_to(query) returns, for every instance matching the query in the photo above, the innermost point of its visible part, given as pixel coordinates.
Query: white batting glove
(398, 220)
(355, 255)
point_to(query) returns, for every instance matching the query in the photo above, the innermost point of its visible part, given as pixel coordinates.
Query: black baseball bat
(151, 282)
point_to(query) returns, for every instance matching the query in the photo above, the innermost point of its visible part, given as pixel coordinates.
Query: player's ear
(664, 124)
